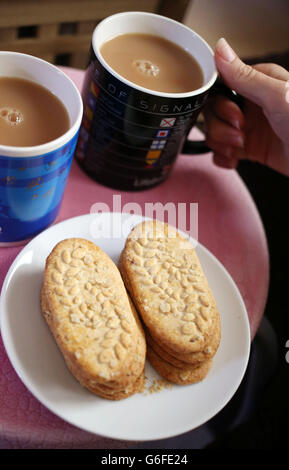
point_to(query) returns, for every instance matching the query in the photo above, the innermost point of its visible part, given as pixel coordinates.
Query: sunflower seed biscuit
(88, 311)
(163, 274)
(194, 357)
(163, 354)
(180, 376)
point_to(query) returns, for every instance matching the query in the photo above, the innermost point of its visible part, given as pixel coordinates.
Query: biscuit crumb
(157, 385)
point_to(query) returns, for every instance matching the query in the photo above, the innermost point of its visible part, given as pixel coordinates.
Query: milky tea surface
(153, 62)
(29, 113)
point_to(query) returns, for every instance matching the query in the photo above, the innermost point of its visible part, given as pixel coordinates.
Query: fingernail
(225, 50)
(236, 124)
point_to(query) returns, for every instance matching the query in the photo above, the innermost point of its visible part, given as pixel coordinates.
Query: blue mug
(33, 179)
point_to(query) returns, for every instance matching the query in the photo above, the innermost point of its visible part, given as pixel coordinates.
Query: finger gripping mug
(130, 136)
(33, 179)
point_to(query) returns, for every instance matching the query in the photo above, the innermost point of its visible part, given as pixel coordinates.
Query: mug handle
(199, 146)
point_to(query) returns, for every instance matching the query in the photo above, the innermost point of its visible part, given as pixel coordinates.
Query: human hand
(261, 131)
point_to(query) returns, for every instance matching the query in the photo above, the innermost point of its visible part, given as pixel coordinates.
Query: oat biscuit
(163, 354)
(162, 272)
(130, 390)
(197, 356)
(89, 313)
(180, 376)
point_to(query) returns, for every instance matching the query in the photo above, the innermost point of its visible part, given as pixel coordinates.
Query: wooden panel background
(59, 31)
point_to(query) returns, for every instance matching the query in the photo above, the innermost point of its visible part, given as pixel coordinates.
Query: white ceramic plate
(144, 416)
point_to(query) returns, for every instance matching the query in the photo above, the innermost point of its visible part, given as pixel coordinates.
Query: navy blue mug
(131, 136)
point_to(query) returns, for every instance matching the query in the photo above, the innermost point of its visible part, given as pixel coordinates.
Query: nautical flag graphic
(152, 156)
(168, 122)
(86, 123)
(94, 89)
(158, 144)
(82, 143)
(88, 113)
(151, 163)
(162, 133)
(84, 135)
(91, 101)
(96, 73)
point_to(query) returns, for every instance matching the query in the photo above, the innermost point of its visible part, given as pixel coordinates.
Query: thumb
(244, 79)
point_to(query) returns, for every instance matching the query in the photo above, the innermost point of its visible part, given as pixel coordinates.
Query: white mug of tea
(40, 115)
(147, 81)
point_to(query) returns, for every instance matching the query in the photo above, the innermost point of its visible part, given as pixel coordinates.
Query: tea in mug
(153, 62)
(29, 113)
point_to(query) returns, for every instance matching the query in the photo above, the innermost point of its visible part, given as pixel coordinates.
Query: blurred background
(60, 30)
